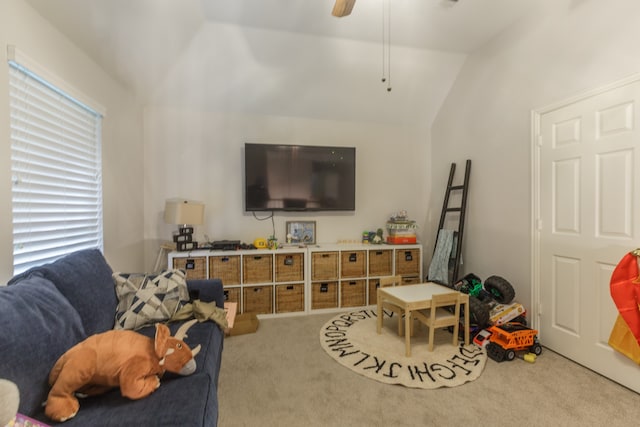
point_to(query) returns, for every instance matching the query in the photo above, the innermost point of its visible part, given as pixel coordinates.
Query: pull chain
(389, 46)
(384, 53)
(386, 43)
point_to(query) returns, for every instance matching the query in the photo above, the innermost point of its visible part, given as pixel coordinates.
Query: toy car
(482, 338)
(482, 298)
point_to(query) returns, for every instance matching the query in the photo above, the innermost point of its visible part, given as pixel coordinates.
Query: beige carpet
(351, 339)
(281, 377)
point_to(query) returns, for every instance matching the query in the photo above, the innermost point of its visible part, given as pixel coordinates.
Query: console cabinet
(302, 280)
(260, 281)
(348, 276)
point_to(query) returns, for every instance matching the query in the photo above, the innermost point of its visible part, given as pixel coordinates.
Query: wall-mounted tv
(299, 178)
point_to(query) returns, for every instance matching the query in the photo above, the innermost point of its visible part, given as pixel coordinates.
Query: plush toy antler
(174, 354)
(124, 359)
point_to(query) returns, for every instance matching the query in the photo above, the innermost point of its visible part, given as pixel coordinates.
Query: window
(55, 167)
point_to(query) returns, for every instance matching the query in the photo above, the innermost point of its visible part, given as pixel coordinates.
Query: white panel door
(587, 206)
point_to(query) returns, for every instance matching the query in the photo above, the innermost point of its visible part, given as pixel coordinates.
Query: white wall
(574, 46)
(233, 85)
(122, 151)
(234, 69)
(199, 155)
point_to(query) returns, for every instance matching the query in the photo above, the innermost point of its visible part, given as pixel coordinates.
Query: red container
(401, 240)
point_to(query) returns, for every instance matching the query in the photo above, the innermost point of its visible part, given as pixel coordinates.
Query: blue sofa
(48, 309)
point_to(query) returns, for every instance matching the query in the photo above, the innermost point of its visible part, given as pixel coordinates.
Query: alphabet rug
(351, 339)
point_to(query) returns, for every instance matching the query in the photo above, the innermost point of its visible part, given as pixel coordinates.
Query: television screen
(299, 178)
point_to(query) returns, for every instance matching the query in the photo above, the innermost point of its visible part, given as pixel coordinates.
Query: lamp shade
(183, 212)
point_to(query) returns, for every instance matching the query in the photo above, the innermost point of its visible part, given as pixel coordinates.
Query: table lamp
(185, 214)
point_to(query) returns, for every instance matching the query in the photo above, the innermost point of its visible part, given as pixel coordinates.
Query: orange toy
(625, 291)
(510, 337)
(118, 358)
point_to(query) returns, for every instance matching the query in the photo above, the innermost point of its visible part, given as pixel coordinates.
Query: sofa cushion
(179, 401)
(145, 299)
(206, 290)
(182, 401)
(37, 325)
(84, 278)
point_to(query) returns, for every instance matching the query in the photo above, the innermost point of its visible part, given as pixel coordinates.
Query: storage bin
(324, 295)
(380, 262)
(257, 268)
(290, 298)
(258, 299)
(352, 293)
(324, 265)
(408, 261)
(289, 267)
(225, 268)
(195, 267)
(353, 264)
(402, 240)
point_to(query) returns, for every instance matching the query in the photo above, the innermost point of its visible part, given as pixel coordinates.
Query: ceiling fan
(343, 8)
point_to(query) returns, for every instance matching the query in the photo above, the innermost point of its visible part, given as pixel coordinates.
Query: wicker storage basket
(225, 268)
(324, 265)
(257, 268)
(289, 267)
(258, 299)
(196, 267)
(380, 262)
(352, 293)
(233, 295)
(407, 261)
(353, 264)
(324, 295)
(290, 298)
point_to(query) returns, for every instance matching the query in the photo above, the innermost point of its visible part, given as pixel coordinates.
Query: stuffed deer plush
(117, 358)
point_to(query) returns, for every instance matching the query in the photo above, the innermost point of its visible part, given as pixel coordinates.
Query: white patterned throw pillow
(145, 299)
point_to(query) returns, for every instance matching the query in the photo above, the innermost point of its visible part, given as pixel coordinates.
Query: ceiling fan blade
(343, 8)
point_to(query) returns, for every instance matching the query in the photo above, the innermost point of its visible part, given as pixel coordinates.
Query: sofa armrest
(206, 290)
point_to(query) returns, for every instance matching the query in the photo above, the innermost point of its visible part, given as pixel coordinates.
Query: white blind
(56, 171)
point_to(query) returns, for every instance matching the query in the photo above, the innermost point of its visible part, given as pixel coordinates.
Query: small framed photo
(301, 232)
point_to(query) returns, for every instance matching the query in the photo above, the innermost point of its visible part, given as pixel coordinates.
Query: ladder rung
(453, 209)
(456, 187)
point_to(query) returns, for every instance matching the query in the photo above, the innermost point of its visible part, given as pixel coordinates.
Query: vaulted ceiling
(285, 57)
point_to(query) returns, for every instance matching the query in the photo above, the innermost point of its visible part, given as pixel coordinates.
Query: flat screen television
(299, 178)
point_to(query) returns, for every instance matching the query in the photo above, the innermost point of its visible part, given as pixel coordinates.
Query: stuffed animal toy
(377, 239)
(118, 358)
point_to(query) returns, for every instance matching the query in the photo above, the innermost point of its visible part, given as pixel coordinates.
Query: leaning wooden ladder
(454, 264)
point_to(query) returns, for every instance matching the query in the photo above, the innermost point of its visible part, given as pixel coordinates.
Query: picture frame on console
(301, 232)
